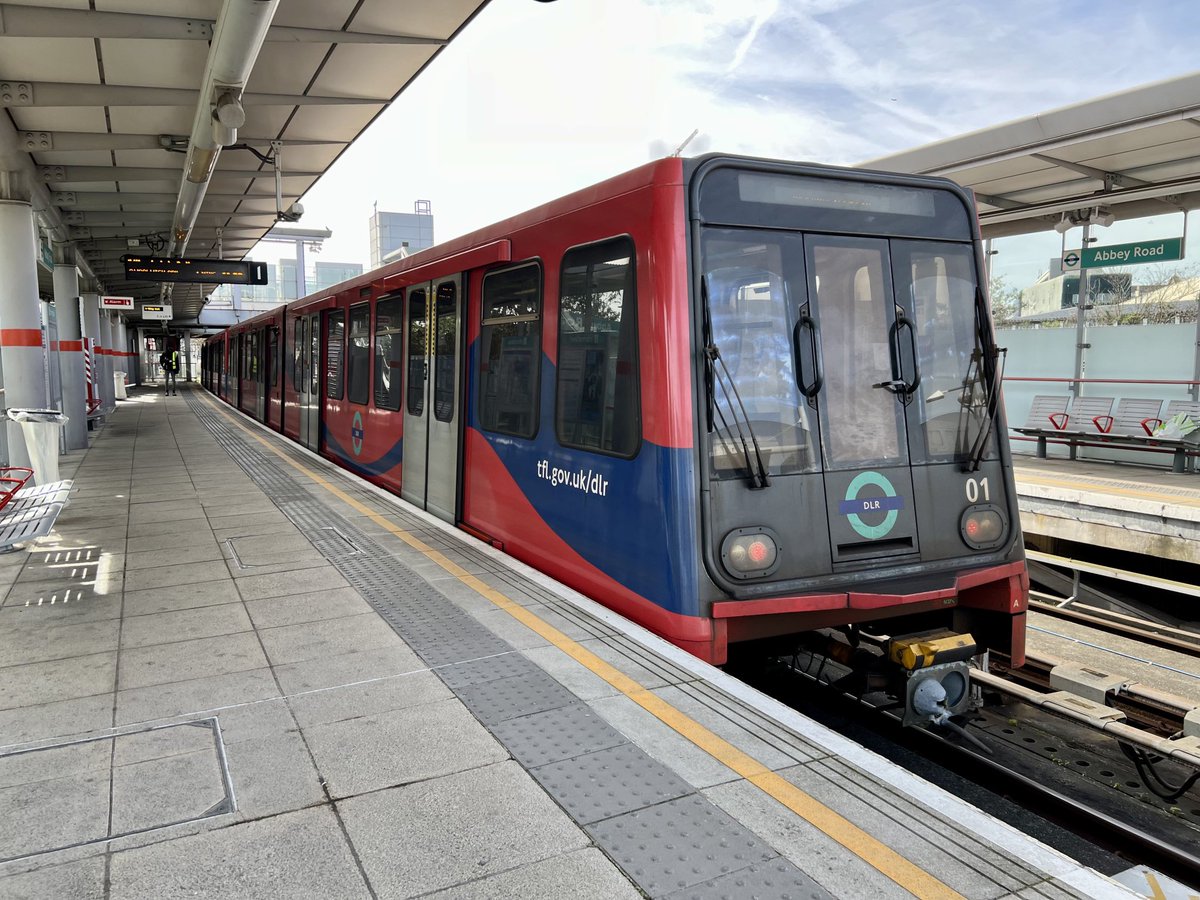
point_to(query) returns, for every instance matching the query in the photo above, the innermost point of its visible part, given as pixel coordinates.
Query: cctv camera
(292, 213)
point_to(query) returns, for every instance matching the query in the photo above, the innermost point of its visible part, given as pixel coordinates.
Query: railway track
(1156, 634)
(1080, 775)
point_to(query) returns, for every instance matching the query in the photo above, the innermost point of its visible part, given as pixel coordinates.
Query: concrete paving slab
(184, 625)
(38, 641)
(580, 875)
(289, 857)
(313, 607)
(200, 695)
(332, 637)
(399, 747)
(258, 587)
(165, 791)
(273, 775)
(159, 743)
(440, 833)
(46, 682)
(504, 626)
(197, 537)
(188, 552)
(348, 668)
(79, 880)
(369, 698)
(283, 566)
(92, 758)
(180, 597)
(59, 719)
(161, 663)
(48, 815)
(67, 607)
(169, 576)
(165, 511)
(275, 526)
(182, 527)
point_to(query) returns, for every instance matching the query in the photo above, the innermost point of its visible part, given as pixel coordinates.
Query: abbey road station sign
(1163, 250)
(196, 271)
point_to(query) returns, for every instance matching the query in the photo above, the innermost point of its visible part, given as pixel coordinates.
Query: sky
(536, 99)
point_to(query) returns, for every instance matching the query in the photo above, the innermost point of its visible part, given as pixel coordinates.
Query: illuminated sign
(116, 303)
(196, 271)
(158, 313)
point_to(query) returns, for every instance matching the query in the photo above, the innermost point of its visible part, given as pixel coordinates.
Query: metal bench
(1088, 417)
(32, 512)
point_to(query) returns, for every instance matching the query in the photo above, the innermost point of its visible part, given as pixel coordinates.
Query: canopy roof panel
(1136, 153)
(102, 100)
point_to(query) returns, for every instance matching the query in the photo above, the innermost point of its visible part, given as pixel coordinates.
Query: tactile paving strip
(683, 843)
(608, 783)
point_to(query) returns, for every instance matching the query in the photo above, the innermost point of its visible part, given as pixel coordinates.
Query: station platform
(1138, 509)
(236, 671)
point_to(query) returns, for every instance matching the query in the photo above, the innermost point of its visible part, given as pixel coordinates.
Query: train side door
(432, 408)
(309, 381)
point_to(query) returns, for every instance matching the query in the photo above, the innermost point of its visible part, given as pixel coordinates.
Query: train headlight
(750, 552)
(982, 527)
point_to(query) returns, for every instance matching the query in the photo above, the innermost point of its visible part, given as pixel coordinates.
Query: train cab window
(335, 326)
(511, 338)
(358, 354)
(418, 330)
(388, 360)
(598, 397)
(298, 356)
(937, 281)
(754, 285)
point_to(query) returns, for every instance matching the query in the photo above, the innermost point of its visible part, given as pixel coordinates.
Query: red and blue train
(730, 398)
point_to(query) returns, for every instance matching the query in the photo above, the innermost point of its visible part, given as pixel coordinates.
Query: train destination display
(197, 271)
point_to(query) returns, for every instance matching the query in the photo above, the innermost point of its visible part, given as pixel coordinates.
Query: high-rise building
(399, 234)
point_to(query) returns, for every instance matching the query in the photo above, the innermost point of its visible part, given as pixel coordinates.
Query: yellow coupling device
(919, 651)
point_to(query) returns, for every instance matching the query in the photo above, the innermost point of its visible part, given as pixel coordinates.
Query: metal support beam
(16, 92)
(31, 21)
(42, 141)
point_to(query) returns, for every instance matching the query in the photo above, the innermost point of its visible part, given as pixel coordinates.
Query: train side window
(335, 332)
(418, 331)
(445, 346)
(298, 356)
(273, 354)
(598, 396)
(358, 352)
(388, 347)
(511, 341)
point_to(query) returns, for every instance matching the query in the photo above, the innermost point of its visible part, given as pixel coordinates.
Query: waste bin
(41, 428)
(119, 386)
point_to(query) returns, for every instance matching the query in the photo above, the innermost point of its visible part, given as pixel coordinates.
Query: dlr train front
(854, 468)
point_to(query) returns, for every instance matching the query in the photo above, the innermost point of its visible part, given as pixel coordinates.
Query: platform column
(70, 350)
(22, 354)
(89, 314)
(187, 353)
(106, 360)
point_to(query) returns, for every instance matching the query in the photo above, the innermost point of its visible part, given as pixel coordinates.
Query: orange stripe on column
(68, 346)
(20, 337)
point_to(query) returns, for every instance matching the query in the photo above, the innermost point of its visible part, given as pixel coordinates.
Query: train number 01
(977, 487)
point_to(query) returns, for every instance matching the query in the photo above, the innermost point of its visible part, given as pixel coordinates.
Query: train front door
(308, 386)
(432, 408)
(259, 368)
(860, 395)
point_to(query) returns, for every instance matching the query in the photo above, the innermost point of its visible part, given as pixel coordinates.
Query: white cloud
(534, 100)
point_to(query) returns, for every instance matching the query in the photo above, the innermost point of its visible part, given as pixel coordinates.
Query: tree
(1005, 299)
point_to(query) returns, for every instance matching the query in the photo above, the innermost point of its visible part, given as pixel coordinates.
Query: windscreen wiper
(717, 374)
(754, 465)
(998, 356)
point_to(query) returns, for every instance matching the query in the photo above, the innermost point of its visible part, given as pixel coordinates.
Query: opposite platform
(237, 671)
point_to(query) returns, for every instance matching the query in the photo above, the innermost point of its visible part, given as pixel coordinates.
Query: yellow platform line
(871, 850)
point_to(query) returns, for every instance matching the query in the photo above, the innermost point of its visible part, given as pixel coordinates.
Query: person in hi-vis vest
(170, 366)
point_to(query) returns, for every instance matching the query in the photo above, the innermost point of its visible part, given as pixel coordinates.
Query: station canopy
(102, 101)
(1131, 154)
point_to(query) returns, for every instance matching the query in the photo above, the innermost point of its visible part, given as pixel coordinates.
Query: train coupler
(936, 674)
